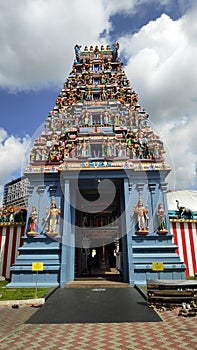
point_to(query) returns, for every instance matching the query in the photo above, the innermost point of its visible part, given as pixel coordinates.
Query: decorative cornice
(41, 189)
(52, 190)
(164, 186)
(140, 187)
(130, 185)
(30, 190)
(152, 187)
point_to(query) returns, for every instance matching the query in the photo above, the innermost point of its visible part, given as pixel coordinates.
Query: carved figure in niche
(78, 149)
(66, 153)
(108, 148)
(11, 214)
(102, 149)
(33, 219)
(52, 218)
(96, 51)
(88, 153)
(129, 139)
(103, 79)
(72, 150)
(4, 214)
(83, 70)
(106, 118)
(86, 119)
(103, 94)
(59, 155)
(38, 154)
(108, 67)
(124, 149)
(161, 217)
(133, 153)
(44, 154)
(77, 52)
(142, 216)
(88, 94)
(84, 149)
(116, 120)
(115, 48)
(118, 149)
(52, 154)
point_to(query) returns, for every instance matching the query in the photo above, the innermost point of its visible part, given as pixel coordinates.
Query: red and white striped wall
(10, 240)
(185, 237)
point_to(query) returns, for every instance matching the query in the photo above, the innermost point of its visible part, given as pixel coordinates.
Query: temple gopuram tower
(97, 195)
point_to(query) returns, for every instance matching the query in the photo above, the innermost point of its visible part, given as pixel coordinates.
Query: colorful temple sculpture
(97, 195)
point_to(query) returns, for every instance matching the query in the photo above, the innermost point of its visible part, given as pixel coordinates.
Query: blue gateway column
(151, 243)
(38, 245)
(68, 237)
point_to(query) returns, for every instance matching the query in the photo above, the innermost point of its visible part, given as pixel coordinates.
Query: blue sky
(157, 44)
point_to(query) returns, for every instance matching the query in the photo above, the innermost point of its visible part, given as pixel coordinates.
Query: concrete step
(96, 284)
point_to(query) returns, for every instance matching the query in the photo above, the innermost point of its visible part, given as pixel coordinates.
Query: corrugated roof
(186, 198)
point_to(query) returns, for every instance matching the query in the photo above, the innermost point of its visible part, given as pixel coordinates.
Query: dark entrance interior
(98, 238)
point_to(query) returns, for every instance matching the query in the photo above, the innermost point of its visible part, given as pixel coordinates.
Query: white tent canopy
(186, 198)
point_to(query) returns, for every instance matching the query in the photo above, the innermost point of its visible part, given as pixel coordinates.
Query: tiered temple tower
(97, 183)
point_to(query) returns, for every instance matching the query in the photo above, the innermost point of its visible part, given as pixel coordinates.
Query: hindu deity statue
(52, 219)
(142, 216)
(161, 215)
(77, 52)
(4, 214)
(33, 218)
(11, 214)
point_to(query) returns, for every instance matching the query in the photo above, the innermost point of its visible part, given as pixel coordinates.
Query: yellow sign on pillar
(37, 266)
(157, 266)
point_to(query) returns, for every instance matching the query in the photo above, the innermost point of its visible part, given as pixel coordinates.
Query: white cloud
(180, 141)
(160, 60)
(162, 68)
(13, 150)
(3, 135)
(37, 38)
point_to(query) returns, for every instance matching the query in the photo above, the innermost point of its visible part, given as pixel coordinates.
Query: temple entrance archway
(99, 231)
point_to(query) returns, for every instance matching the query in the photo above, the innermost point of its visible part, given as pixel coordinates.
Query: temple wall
(185, 237)
(10, 241)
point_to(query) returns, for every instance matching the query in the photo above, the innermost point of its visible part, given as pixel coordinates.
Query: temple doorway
(100, 262)
(98, 236)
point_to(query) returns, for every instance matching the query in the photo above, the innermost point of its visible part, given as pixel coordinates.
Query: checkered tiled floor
(174, 333)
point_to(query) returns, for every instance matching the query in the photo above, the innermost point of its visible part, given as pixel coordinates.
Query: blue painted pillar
(163, 187)
(128, 233)
(152, 206)
(125, 271)
(68, 239)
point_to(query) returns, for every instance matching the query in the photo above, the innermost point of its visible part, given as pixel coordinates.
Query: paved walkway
(175, 333)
